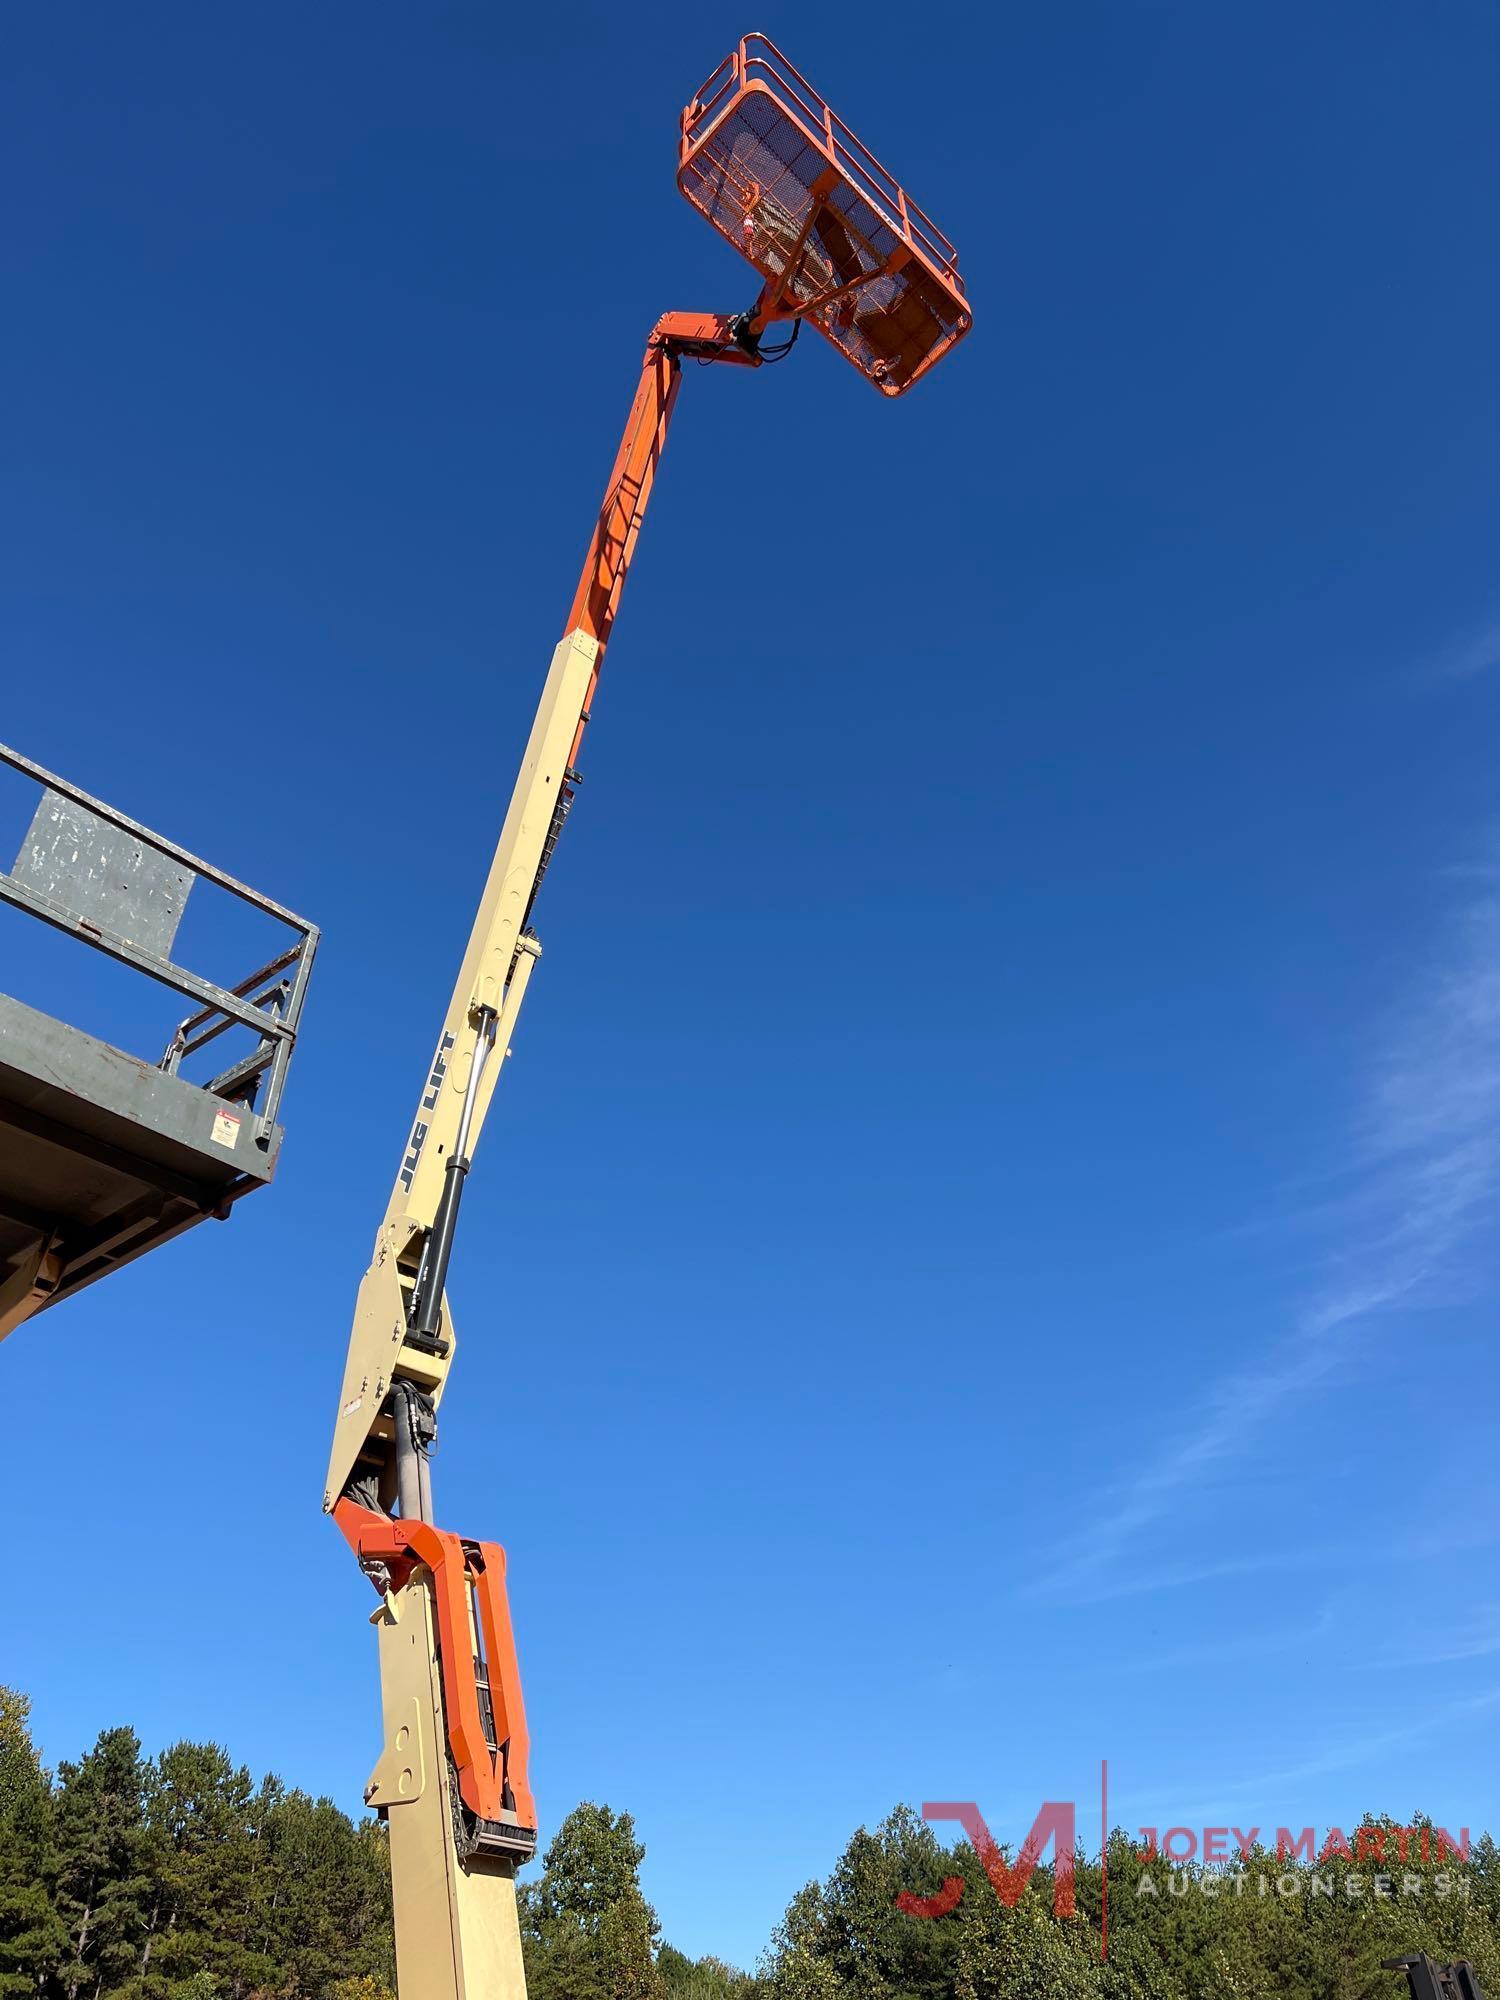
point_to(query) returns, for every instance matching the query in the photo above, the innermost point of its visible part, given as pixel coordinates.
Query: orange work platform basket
(836, 239)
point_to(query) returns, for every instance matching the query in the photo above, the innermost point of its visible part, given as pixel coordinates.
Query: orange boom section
(837, 240)
(486, 1719)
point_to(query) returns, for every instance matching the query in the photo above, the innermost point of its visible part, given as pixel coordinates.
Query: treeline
(178, 1878)
(1264, 1928)
(1268, 1927)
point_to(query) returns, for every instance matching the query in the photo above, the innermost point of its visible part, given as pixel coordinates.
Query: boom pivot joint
(481, 1683)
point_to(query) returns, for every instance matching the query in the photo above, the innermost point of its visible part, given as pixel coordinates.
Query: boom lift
(837, 242)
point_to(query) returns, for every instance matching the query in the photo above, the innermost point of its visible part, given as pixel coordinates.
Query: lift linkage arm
(403, 1340)
(486, 1721)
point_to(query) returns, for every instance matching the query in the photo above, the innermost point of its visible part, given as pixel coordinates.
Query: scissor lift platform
(105, 1155)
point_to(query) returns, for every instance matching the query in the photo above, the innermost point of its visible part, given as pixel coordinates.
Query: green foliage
(703, 1978)
(873, 1947)
(32, 1934)
(103, 1879)
(800, 1961)
(202, 1837)
(1258, 1929)
(587, 1931)
(848, 1940)
(366, 1986)
(323, 1896)
(178, 1878)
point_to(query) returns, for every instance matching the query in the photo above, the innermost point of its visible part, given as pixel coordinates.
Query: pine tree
(322, 1894)
(32, 1936)
(103, 1884)
(202, 1849)
(588, 1932)
(873, 1946)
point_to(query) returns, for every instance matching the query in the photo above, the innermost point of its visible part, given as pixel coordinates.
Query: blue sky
(983, 1258)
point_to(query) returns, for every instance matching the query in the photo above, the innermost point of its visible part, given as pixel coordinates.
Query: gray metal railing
(100, 876)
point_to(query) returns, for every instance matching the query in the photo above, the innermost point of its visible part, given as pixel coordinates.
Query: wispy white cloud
(1231, 1647)
(1475, 653)
(1474, 1636)
(1426, 1163)
(1083, 1582)
(1358, 1750)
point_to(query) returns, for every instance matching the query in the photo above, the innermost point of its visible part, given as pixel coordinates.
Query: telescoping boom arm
(835, 241)
(403, 1328)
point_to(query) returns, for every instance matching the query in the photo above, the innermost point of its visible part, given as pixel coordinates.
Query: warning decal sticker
(226, 1128)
